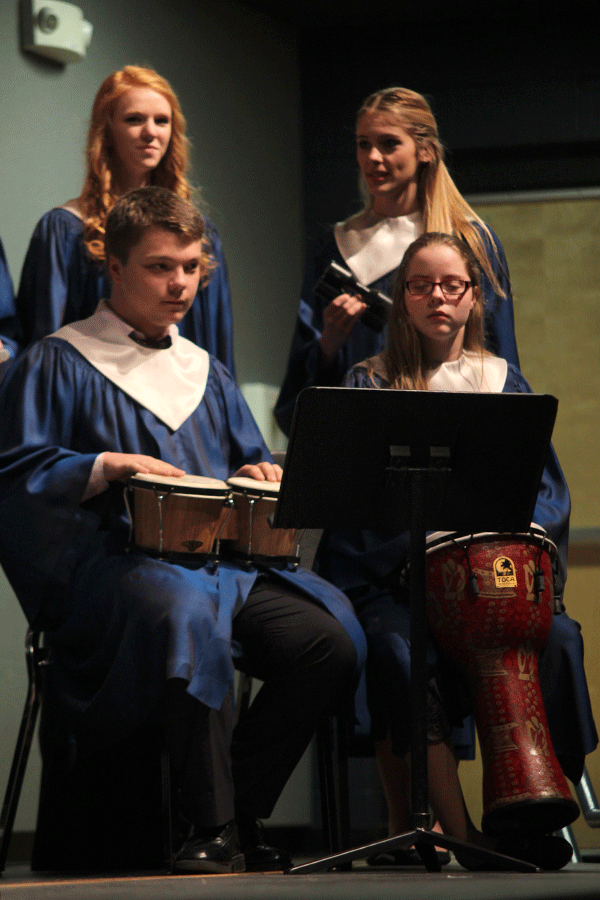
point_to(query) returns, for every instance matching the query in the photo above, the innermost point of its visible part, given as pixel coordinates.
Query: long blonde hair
(402, 364)
(99, 192)
(442, 207)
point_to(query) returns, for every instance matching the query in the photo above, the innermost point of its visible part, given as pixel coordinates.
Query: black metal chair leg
(343, 755)
(590, 809)
(166, 810)
(568, 835)
(36, 658)
(332, 749)
(243, 696)
(587, 800)
(328, 787)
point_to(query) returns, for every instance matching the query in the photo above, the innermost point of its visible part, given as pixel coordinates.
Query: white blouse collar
(373, 245)
(471, 373)
(170, 383)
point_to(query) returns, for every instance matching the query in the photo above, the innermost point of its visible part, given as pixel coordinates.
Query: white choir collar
(470, 373)
(373, 245)
(170, 383)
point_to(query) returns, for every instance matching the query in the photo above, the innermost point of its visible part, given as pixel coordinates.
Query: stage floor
(577, 881)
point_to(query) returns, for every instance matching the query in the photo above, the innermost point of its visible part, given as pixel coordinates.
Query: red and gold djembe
(490, 607)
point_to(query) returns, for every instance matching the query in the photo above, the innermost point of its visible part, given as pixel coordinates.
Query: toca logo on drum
(504, 572)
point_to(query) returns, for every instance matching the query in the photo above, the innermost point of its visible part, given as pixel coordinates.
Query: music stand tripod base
(425, 843)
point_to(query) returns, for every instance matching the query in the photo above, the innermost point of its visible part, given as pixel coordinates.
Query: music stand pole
(419, 817)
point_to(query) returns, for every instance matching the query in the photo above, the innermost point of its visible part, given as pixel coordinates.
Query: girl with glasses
(435, 342)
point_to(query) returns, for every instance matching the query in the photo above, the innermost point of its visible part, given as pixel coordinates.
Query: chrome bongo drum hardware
(254, 538)
(177, 517)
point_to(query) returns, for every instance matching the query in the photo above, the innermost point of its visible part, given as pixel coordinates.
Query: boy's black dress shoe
(260, 856)
(218, 855)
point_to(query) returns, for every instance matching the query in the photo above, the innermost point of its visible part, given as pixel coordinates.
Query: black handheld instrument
(337, 280)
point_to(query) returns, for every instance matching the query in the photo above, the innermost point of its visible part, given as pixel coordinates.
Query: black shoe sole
(209, 866)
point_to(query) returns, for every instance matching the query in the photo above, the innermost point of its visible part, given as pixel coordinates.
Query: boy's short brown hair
(153, 207)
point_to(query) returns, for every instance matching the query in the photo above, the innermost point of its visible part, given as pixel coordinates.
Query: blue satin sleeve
(7, 312)
(59, 283)
(305, 367)
(498, 312)
(7, 300)
(44, 529)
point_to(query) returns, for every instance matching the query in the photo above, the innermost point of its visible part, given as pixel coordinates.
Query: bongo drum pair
(490, 600)
(195, 516)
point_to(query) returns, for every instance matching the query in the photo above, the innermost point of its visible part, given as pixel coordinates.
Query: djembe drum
(490, 600)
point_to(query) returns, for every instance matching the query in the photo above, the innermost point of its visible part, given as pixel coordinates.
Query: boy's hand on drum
(262, 471)
(119, 466)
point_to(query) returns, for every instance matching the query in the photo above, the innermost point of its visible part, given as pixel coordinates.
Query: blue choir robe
(304, 368)
(120, 622)
(7, 308)
(61, 284)
(367, 565)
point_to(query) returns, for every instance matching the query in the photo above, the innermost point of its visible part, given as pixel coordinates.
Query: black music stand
(417, 461)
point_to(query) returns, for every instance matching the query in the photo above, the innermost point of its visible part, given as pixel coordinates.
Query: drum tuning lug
(474, 584)
(538, 581)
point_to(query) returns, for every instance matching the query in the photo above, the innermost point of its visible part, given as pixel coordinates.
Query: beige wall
(553, 252)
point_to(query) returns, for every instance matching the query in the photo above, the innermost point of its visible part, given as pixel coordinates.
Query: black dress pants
(306, 661)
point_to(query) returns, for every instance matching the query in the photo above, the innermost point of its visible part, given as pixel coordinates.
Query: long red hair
(99, 193)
